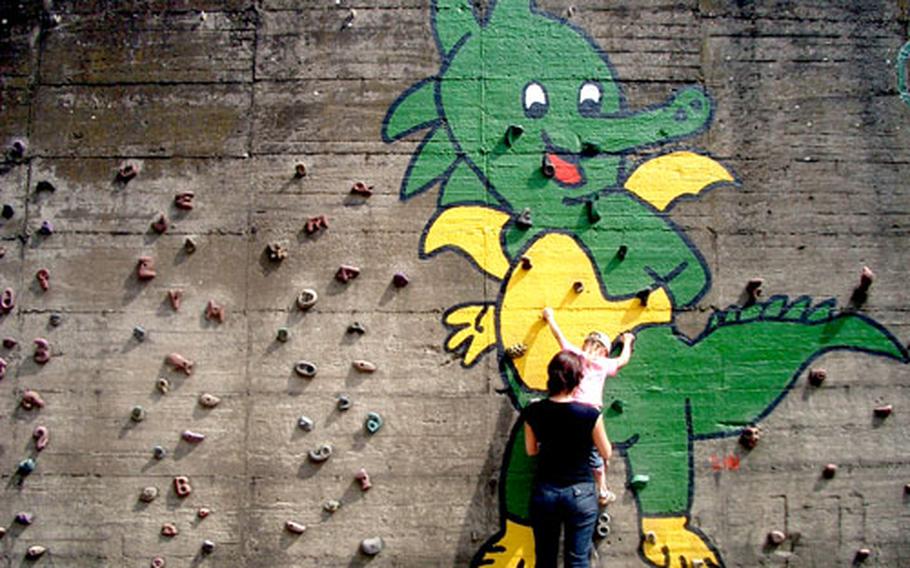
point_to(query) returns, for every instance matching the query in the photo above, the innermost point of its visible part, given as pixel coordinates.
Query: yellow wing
(474, 230)
(662, 180)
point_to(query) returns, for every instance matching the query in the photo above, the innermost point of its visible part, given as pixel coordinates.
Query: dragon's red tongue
(566, 172)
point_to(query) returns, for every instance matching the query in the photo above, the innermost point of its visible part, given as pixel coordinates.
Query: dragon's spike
(796, 310)
(463, 186)
(431, 163)
(750, 313)
(774, 307)
(508, 9)
(413, 110)
(452, 20)
(821, 312)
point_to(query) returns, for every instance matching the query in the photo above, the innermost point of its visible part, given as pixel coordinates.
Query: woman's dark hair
(564, 373)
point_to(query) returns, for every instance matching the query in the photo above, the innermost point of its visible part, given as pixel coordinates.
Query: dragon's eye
(589, 97)
(534, 99)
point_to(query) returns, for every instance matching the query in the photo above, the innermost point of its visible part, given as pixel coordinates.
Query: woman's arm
(626, 354)
(531, 445)
(601, 441)
(550, 318)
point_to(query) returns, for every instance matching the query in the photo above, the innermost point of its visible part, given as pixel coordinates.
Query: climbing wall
(230, 335)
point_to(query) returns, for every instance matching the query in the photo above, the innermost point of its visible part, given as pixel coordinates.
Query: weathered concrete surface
(224, 104)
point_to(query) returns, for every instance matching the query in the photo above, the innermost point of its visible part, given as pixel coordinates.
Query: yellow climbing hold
(671, 544)
(474, 230)
(662, 180)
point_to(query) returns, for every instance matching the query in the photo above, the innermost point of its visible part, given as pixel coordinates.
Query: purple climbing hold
(46, 228)
(23, 518)
(400, 280)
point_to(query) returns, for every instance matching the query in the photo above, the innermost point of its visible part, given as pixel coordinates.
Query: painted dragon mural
(529, 139)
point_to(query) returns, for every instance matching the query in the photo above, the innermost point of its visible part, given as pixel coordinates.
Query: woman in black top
(561, 433)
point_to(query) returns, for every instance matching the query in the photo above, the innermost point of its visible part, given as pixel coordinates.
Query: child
(598, 365)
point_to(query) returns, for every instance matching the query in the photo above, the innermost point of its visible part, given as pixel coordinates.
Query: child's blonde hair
(596, 338)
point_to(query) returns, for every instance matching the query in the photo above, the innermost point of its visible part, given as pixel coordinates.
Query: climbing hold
(320, 454)
(163, 385)
(776, 537)
(643, 296)
(300, 170)
(3, 366)
(182, 486)
(373, 422)
(17, 149)
(283, 334)
(516, 351)
(817, 377)
(364, 479)
(145, 269)
(55, 319)
(203, 512)
(175, 296)
(400, 280)
(148, 494)
(189, 245)
(594, 215)
(346, 273)
(749, 437)
(214, 311)
(618, 405)
(305, 423)
(169, 530)
(314, 224)
(294, 527)
(207, 400)
(137, 414)
(865, 279)
(158, 562)
(362, 189)
(30, 400)
(829, 471)
(46, 229)
(357, 328)
(160, 224)
(602, 529)
(184, 200)
(140, 333)
(41, 435)
(45, 185)
(883, 411)
(127, 171)
(159, 453)
(621, 252)
(7, 300)
(7, 212)
(305, 369)
(23, 518)
(651, 537)
(306, 299)
(9, 342)
(364, 366)
(590, 149)
(513, 133)
(578, 286)
(192, 437)
(180, 363)
(639, 481)
(344, 402)
(526, 263)
(371, 546)
(863, 554)
(523, 220)
(26, 467)
(276, 251)
(35, 552)
(2, 532)
(753, 290)
(208, 547)
(331, 505)
(546, 167)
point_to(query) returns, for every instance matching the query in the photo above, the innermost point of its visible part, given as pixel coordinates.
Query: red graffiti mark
(730, 462)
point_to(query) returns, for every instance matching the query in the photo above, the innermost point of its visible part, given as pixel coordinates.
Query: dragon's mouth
(566, 170)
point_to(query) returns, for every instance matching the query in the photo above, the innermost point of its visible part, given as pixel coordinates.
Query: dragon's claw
(513, 548)
(668, 542)
(473, 330)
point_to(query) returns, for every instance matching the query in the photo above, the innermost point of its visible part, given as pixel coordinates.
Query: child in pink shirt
(598, 365)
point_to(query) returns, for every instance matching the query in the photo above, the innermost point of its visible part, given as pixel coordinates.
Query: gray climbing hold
(307, 298)
(159, 453)
(524, 221)
(2, 532)
(148, 494)
(602, 529)
(357, 328)
(344, 402)
(163, 385)
(305, 369)
(322, 453)
(372, 546)
(208, 546)
(306, 423)
(207, 400)
(139, 333)
(331, 505)
(189, 245)
(35, 552)
(373, 422)
(137, 414)
(283, 334)
(776, 537)
(55, 319)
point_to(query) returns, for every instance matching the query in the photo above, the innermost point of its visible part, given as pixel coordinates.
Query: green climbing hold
(618, 405)
(639, 481)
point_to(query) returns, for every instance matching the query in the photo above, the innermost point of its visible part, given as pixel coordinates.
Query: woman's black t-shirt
(564, 432)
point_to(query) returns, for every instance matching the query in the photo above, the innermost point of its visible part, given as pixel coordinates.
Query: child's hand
(547, 313)
(628, 338)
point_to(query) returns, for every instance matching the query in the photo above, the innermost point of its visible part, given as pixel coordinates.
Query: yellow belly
(557, 263)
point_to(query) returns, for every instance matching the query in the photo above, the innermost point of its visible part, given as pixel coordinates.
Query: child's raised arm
(550, 318)
(626, 353)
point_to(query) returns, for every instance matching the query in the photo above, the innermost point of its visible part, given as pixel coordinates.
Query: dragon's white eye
(589, 98)
(534, 99)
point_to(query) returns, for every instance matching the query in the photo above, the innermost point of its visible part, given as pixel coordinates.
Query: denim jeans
(573, 507)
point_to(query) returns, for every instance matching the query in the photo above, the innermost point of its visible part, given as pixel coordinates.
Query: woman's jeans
(573, 506)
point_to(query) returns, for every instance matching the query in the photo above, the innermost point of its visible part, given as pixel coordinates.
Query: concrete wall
(224, 99)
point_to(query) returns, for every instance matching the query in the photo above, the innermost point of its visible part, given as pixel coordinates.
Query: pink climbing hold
(362, 189)
(41, 437)
(214, 311)
(3, 366)
(158, 562)
(314, 224)
(192, 437)
(169, 530)
(42, 351)
(364, 478)
(31, 400)
(175, 296)
(127, 171)
(203, 512)
(346, 273)
(182, 486)
(883, 411)
(145, 269)
(7, 300)
(817, 377)
(184, 200)
(9, 342)
(160, 224)
(180, 363)
(43, 276)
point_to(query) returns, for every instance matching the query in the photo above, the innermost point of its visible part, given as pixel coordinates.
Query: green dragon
(529, 138)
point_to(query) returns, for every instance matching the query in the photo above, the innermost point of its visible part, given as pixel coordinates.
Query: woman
(561, 432)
